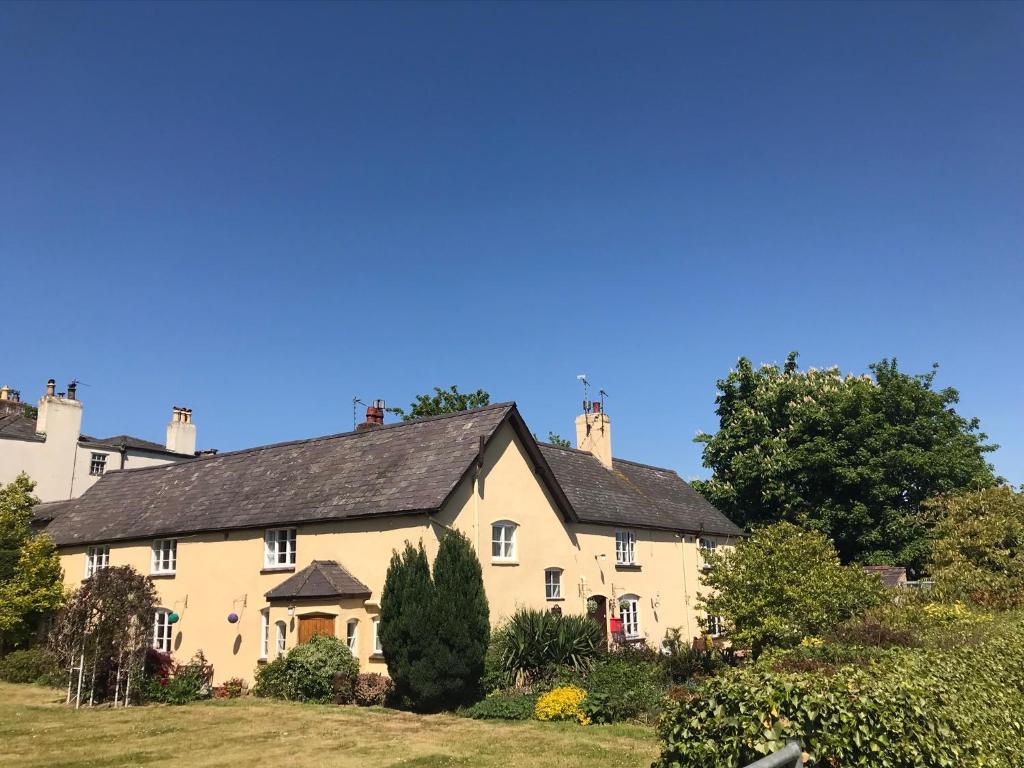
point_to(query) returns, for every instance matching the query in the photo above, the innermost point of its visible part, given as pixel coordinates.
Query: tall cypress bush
(435, 632)
(461, 620)
(405, 623)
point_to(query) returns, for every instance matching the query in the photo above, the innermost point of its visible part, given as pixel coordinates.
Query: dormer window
(503, 541)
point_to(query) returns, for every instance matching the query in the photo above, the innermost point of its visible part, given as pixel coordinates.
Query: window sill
(376, 657)
(555, 599)
(279, 569)
(163, 575)
(262, 661)
(627, 567)
(504, 562)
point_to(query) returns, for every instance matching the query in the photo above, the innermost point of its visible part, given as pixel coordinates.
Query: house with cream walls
(257, 550)
(50, 448)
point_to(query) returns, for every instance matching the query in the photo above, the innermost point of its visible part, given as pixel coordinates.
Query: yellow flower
(562, 704)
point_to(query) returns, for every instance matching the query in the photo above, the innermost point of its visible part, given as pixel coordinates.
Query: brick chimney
(374, 417)
(181, 432)
(594, 433)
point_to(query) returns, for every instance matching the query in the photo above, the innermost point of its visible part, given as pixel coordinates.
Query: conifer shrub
(434, 631)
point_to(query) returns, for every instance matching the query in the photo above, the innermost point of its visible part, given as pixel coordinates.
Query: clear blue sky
(259, 211)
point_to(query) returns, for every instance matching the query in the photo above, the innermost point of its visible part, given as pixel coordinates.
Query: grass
(37, 731)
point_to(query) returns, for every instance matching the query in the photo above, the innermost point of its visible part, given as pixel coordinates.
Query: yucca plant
(534, 643)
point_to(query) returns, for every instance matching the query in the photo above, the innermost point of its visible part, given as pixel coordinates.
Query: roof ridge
(648, 466)
(614, 458)
(335, 436)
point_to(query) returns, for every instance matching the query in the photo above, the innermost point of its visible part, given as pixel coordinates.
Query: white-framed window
(165, 556)
(162, 630)
(98, 464)
(706, 545)
(625, 548)
(95, 558)
(503, 540)
(264, 633)
(279, 548)
(280, 637)
(714, 625)
(352, 635)
(553, 583)
(629, 612)
(376, 636)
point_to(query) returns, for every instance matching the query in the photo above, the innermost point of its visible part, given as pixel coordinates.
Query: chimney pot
(72, 390)
(51, 386)
(5, 392)
(374, 417)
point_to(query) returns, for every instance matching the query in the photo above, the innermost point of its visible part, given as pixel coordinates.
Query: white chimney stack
(181, 432)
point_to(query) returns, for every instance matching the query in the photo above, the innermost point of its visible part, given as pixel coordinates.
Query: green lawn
(38, 731)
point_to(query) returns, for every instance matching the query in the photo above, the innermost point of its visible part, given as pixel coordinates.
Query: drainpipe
(686, 591)
(124, 454)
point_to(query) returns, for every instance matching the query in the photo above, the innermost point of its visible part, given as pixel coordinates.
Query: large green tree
(782, 584)
(405, 623)
(443, 401)
(852, 456)
(978, 552)
(461, 619)
(31, 580)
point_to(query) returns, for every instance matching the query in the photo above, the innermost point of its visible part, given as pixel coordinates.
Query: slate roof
(892, 576)
(321, 578)
(633, 494)
(18, 426)
(404, 468)
(407, 467)
(134, 443)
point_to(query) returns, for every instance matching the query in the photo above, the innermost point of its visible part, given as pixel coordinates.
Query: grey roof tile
(321, 578)
(405, 467)
(633, 494)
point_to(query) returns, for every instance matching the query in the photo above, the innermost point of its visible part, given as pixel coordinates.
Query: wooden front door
(315, 625)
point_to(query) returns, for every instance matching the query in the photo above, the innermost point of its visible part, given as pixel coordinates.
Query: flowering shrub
(188, 682)
(372, 688)
(562, 703)
(231, 689)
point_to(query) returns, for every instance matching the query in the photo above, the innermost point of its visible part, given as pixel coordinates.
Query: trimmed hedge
(903, 708)
(29, 666)
(320, 670)
(503, 706)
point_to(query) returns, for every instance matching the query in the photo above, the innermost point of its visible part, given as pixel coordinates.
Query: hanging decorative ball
(232, 618)
(173, 618)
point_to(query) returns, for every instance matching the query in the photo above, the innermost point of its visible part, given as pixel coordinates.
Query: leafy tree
(556, 439)
(852, 456)
(31, 579)
(782, 584)
(978, 553)
(443, 401)
(405, 623)
(103, 630)
(461, 621)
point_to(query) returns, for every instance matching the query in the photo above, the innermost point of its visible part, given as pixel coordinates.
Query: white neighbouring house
(50, 448)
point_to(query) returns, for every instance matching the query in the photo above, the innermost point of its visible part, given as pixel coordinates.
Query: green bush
(898, 707)
(683, 662)
(29, 666)
(533, 645)
(309, 672)
(626, 684)
(503, 706)
(188, 682)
